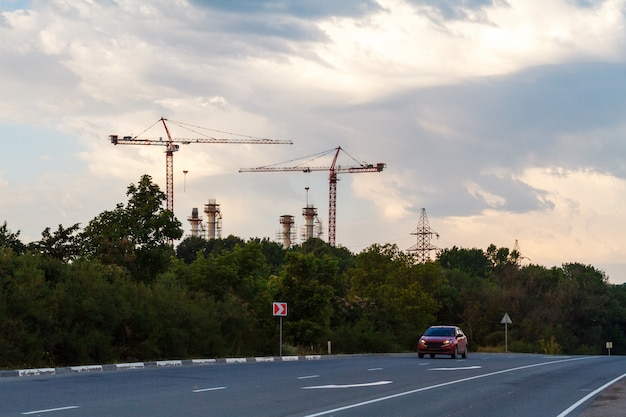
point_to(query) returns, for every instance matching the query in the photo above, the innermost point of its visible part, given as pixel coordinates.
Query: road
(348, 386)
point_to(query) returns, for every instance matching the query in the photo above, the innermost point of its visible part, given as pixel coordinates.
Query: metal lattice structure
(172, 145)
(424, 234)
(333, 169)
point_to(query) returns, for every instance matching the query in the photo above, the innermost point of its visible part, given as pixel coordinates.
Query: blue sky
(503, 119)
(11, 5)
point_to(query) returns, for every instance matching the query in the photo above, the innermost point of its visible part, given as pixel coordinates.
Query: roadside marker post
(280, 309)
(506, 320)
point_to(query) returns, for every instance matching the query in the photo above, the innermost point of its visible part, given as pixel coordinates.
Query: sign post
(609, 346)
(506, 320)
(280, 309)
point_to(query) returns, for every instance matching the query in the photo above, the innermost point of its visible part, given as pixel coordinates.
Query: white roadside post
(280, 309)
(506, 320)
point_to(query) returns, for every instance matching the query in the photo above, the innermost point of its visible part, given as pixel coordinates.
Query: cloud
(500, 118)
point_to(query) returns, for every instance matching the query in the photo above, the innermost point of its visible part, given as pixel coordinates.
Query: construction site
(209, 226)
(211, 229)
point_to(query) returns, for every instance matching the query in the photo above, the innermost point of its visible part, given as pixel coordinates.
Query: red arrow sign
(280, 309)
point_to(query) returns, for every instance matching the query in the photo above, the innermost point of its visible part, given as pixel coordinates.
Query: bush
(550, 347)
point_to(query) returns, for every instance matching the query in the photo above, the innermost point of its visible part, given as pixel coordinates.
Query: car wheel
(464, 355)
(432, 355)
(456, 350)
(420, 355)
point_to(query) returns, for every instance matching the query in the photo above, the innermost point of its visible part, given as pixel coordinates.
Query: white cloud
(501, 120)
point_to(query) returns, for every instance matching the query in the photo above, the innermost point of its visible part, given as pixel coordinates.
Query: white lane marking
(455, 369)
(208, 389)
(368, 384)
(591, 394)
(402, 394)
(374, 369)
(308, 376)
(50, 410)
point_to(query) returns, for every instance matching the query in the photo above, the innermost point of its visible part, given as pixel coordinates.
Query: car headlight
(422, 342)
(447, 342)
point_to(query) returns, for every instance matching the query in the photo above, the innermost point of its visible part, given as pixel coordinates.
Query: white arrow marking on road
(368, 384)
(208, 389)
(455, 369)
(50, 410)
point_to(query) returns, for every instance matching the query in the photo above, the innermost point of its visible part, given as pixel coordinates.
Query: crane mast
(172, 145)
(169, 169)
(333, 169)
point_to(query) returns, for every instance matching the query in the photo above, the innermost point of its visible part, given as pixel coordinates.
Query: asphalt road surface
(483, 385)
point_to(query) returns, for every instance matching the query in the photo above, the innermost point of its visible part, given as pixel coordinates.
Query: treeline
(116, 290)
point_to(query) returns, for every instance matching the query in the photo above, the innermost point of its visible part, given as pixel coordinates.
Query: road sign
(279, 309)
(506, 319)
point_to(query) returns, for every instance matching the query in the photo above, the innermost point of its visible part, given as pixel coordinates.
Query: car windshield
(440, 331)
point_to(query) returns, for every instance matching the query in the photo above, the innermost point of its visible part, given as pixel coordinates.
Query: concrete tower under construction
(197, 230)
(214, 219)
(310, 214)
(286, 234)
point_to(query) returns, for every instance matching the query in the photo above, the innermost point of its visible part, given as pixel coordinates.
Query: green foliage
(471, 261)
(385, 280)
(118, 291)
(550, 346)
(136, 236)
(10, 240)
(305, 283)
(63, 244)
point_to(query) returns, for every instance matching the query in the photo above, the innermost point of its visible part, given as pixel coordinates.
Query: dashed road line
(49, 410)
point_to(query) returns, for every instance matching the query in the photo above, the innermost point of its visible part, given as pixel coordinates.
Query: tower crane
(172, 145)
(333, 169)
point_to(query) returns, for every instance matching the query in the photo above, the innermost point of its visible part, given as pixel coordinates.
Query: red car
(444, 340)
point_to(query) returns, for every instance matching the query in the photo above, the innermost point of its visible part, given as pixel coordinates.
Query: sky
(504, 119)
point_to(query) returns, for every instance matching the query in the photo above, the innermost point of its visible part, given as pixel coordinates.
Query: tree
(308, 297)
(63, 244)
(11, 240)
(136, 236)
(502, 258)
(389, 283)
(189, 247)
(473, 261)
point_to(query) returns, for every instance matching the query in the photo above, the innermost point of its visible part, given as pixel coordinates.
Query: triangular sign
(506, 319)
